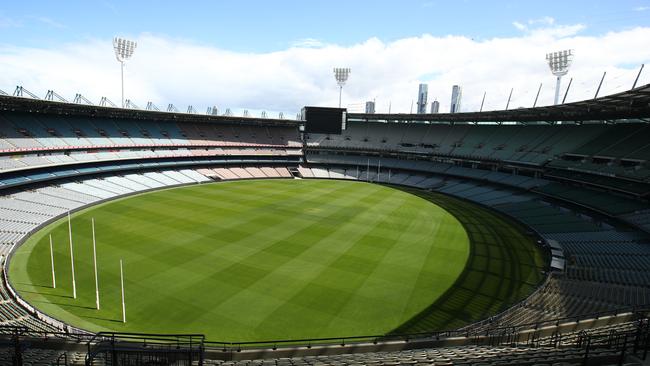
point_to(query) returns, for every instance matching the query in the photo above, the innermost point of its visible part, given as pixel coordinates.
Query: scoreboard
(324, 120)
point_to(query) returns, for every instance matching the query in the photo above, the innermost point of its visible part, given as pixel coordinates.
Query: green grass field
(281, 259)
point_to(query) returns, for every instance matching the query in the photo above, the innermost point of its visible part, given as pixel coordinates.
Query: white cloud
(543, 20)
(308, 43)
(49, 22)
(6, 22)
(166, 70)
(559, 31)
(546, 26)
(642, 8)
(520, 26)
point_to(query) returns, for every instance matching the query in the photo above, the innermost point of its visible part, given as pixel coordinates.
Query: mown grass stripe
(282, 259)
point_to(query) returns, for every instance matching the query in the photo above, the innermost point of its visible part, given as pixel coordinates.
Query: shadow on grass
(46, 294)
(32, 285)
(496, 274)
(104, 319)
(63, 306)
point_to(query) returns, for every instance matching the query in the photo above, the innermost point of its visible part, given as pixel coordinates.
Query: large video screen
(324, 120)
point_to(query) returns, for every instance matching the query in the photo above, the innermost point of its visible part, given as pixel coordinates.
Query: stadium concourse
(577, 175)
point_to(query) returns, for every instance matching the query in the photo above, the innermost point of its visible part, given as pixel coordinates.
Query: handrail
(111, 341)
(308, 342)
(410, 337)
(63, 356)
(622, 341)
(164, 338)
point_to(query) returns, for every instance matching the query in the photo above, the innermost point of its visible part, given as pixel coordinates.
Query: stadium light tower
(341, 74)
(123, 51)
(559, 62)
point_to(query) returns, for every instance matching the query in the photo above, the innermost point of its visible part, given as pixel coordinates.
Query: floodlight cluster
(123, 48)
(341, 74)
(559, 62)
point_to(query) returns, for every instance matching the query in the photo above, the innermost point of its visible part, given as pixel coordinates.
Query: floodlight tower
(341, 74)
(123, 51)
(559, 62)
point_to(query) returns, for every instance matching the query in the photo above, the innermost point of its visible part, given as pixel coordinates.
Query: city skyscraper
(435, 106)
(370, 107)
(456, 96)
(423, 91)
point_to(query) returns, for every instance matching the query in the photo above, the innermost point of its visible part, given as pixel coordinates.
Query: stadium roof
(31, 105)
(629, 105)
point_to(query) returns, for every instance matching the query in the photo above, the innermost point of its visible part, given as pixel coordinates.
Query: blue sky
(277, 56)
(262, 26)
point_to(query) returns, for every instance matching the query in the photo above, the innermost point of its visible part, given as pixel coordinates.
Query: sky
(278, 56)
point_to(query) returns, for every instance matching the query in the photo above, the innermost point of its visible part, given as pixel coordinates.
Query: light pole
(123, 51)
(559, 62)
(341, 74)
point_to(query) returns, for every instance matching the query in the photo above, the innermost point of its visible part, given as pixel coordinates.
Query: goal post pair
(74, 283)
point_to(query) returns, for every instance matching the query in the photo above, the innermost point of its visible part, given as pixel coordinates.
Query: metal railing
(182, 349)
(185, 347)
(638, 312)
(468, 332)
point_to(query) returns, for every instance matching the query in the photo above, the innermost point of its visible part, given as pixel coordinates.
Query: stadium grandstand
(575, 177)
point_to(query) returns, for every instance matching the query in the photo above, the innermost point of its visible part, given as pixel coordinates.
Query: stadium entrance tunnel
(281, 259)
